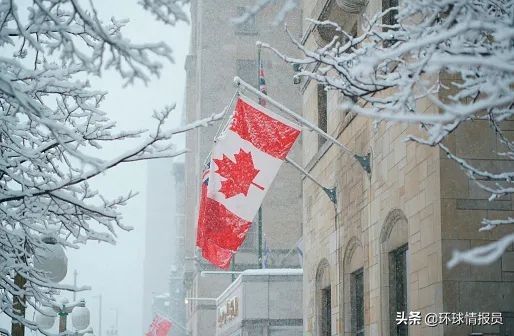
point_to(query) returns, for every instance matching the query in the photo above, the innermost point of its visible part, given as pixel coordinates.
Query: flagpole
(262, 93)
(260, 235)
(331, 192)
(259, 215)
(364, 160)
(232, 268)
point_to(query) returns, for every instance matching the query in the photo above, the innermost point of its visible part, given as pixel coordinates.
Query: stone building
(262, 302)
(220, 50)
(384, 246)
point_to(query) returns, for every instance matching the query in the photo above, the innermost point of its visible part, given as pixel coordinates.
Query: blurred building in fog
(219, 51)
(176, 272)
(164, 244)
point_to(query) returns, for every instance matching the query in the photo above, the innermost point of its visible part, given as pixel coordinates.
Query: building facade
(383, 247)
(163, 291)
(219, 51)
(262, 302)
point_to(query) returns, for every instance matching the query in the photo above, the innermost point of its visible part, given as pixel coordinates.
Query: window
(390, 18)
(398, 289)
(322, 113)
(249, 27)
(326, 312)
(357, 302)
(247, 71)
(353, 287)
(323, 299)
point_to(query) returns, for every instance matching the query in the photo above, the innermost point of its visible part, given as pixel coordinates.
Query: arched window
(353, 288)
(394, 268)
(324, 299)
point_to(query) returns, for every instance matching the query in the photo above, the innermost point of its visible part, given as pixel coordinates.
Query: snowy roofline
(263, 272)
(274, 271)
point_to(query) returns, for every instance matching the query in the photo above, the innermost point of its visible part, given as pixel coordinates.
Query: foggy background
(116, 272)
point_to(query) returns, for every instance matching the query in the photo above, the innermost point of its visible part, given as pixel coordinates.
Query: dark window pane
(322, 113)
(357, 302)
(390, 18)
(326, 312)
(398, 289)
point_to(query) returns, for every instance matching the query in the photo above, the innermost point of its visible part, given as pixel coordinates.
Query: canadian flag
(244, 162)
(159, 327)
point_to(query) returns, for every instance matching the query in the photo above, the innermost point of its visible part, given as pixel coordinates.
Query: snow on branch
(455, 56)
(52, 131)
(482, 255)
(167, 11)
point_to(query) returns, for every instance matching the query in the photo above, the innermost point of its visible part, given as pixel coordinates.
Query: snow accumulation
(274, 271)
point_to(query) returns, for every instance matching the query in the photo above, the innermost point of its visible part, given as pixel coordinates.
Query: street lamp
(51, 259)
(80, 316)
(45, 318)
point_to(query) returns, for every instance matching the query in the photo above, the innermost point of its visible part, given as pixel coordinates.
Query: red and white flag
(210, 250)
(159, 327)
(244, 162)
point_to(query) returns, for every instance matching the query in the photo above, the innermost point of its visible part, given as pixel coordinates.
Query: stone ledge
(481, 204)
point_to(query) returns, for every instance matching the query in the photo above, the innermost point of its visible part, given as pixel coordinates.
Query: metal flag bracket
(364, 160)
(331, 192)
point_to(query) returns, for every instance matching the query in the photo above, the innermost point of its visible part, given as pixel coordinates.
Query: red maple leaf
(239, 175)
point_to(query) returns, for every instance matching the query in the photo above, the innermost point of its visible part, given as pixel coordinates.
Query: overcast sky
(116, 271)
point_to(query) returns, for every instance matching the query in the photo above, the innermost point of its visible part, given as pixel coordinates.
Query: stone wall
(464, 204)
(414, 196)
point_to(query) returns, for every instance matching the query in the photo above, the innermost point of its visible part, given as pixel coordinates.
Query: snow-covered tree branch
(458, 55)
(52, 131)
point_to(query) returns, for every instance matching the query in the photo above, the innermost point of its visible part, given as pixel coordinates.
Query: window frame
(322, 104)
(323, 299)
(390, 18)
(357, 302)
(396, 294)
(326, 311)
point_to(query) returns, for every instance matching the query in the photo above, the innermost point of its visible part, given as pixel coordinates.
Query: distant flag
(262, 84)
(244, 162)
(160, 326)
